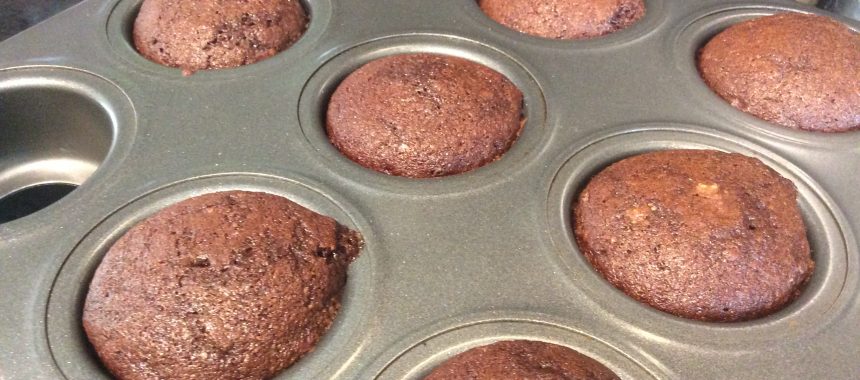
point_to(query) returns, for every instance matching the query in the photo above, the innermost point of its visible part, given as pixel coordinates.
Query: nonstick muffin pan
(449, 263)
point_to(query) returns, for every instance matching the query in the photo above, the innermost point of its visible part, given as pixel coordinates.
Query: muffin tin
(450, 263)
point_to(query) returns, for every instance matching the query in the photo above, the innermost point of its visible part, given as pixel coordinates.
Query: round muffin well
(796, 70)
(232, 284)
(698, 234)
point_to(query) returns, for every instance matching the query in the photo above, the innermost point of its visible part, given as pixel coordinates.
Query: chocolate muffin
(521, 359)
(424, 115)
(213, 34)
(229, 285)
(796, 70)
(699, 234)
(565, 19)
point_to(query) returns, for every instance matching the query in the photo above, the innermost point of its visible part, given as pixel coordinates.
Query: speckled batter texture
(796, 70)
(521, 359)
(230, 285)
(565, 19)
(213, 34)
(699, 234)
(424, 115)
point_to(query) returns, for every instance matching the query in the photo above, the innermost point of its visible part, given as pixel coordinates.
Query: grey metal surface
(450, 263)
(848, 8)
(17, 15)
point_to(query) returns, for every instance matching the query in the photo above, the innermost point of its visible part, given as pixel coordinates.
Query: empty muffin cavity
(58, 128)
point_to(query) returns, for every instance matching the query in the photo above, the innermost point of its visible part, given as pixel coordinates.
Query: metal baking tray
(450, 263)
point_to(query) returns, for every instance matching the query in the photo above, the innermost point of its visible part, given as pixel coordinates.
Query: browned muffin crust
(229, 285)
(424, 115)
(699, 234)
(565, 19)
(521, 359)
(797, 70)
(213, 34)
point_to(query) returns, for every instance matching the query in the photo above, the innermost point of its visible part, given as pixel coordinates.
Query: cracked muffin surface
(214, 34)
(229, 285)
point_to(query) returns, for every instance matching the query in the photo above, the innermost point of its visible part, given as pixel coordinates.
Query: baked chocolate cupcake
(214, 34)
(424, 115)
(521, 359)
(565, 19)
(797, 70)
(230, 285)
(699, 234)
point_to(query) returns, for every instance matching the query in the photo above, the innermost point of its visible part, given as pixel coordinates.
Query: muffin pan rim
(781, 325)
(587, 91)
(110, 98)
(118, 28)
(698, 28)
(450, 337)
(315, 94)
